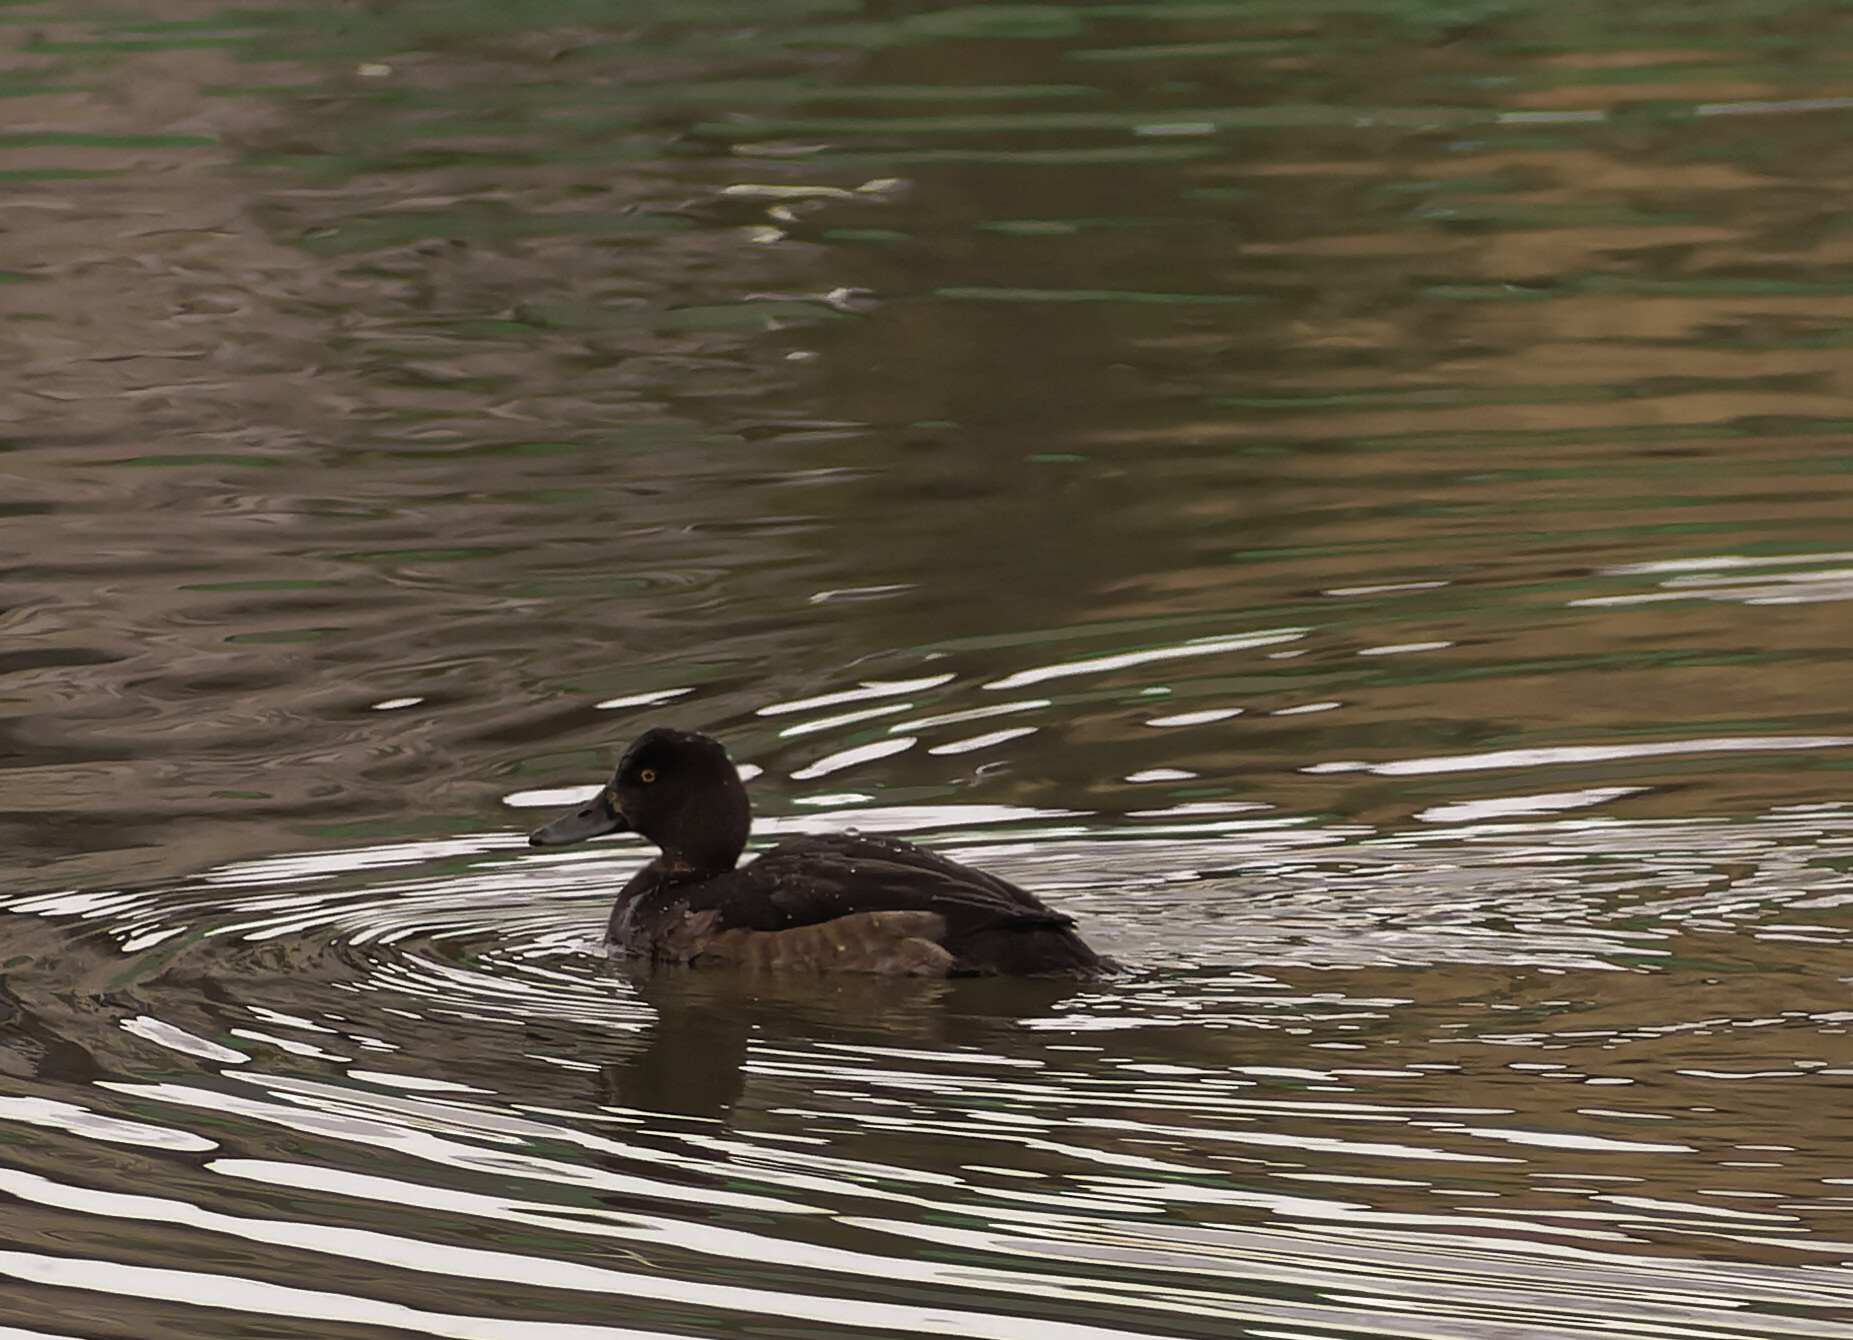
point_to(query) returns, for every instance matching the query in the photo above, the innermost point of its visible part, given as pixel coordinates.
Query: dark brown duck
(832, 903)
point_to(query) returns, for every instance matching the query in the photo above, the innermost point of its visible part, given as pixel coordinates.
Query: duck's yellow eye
(647, 775)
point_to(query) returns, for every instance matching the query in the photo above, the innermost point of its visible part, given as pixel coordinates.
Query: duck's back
(852, 903)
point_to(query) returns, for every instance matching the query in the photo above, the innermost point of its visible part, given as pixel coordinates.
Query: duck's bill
(590, 820)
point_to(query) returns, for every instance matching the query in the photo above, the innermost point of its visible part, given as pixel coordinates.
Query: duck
(837, 902)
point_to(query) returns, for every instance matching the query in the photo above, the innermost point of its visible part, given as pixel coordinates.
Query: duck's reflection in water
(694, 1058)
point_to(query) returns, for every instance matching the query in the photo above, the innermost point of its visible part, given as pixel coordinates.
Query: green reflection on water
(1090, 295)
(198, 458)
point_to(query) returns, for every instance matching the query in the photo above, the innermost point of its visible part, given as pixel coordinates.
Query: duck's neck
(708, 834)
(677, 867)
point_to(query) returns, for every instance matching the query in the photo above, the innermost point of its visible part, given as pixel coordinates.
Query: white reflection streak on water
(552, 797)
(971, 714)
(83, 1122)
(1565, 1140)
(655, 699)
(313, 865)
(843, 719)
(1505, 807)
(1690, 565)
(866, 753)
(871, 688)
(1124, 660)
(164, 1034)
(1791, 588)
(1202, 718)
(79, 903)
(1544, 756)
(984, 741)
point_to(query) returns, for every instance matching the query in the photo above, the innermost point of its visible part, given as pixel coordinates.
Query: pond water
(1352, 501)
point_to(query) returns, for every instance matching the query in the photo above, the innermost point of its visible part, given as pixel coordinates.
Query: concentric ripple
(1282, 1117)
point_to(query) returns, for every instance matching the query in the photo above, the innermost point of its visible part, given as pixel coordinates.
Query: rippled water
(1349, 501)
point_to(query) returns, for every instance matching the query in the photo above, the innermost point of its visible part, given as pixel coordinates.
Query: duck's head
(676, 788)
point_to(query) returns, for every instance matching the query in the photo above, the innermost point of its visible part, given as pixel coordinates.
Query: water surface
(1350, 502)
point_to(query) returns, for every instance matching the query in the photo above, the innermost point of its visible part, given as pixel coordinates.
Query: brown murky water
(1353, 502)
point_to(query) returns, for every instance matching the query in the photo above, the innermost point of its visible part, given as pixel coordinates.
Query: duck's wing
(810, 880)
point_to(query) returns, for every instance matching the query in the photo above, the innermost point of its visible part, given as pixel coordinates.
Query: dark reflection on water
(1352, 504)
